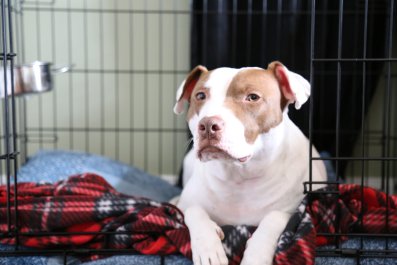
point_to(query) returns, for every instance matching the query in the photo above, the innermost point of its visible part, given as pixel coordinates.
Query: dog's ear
(294, 87)
(185, 89)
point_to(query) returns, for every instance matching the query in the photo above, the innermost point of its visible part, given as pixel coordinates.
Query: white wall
(129, 57)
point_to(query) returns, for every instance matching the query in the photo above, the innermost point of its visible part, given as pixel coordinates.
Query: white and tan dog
(249, 160)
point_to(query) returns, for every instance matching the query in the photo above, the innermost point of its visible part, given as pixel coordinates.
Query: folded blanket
(87, 203)
(337, 210)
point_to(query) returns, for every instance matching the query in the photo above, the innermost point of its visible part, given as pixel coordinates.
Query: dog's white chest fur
(243, 193)
(249, 160)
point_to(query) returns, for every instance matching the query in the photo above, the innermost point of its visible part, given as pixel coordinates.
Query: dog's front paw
(257, 258)
(262, 245)
(257, 254)
(207, 247)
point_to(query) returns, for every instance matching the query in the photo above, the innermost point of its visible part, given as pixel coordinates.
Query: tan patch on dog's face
(255, 98)
(195, 103)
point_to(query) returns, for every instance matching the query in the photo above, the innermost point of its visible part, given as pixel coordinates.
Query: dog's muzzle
(210, 130)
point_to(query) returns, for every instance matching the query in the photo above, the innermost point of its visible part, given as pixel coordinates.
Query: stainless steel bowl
(30, 78)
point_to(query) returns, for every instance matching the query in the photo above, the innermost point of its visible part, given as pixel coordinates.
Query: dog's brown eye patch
(201, 96)
(259, 91)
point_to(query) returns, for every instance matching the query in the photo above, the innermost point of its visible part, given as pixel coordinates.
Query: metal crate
(129, 57)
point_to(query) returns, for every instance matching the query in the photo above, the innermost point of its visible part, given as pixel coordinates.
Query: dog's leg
(262, 244)
(205, 238)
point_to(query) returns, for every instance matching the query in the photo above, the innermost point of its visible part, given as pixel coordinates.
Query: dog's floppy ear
(185, 89)
(294, 87)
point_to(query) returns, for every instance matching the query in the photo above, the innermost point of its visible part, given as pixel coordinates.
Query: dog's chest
(246, 201)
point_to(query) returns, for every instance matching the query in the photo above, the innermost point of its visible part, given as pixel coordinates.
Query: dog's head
(229, 108)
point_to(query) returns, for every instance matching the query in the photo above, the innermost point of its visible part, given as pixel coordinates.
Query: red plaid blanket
(87, 203)
(355, 209)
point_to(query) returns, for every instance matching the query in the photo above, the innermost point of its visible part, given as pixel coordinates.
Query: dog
(248, 161)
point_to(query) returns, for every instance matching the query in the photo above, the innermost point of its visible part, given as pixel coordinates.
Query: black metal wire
(234, 32)
(86, 81)
(264, 60)
(387, 115)
(54, 58)
(6, 111)
(116, 86)
(218, 46)
(363, 135)
(102, 85)
(205, 11)
(70, 76)
(338, 84)
(9, 117)
(204, 31)
(311, 103)
(175, 163)
(160, 93)
(13, 124)
(341, 60)
(249, 31)
(338, 114)
(146, 92)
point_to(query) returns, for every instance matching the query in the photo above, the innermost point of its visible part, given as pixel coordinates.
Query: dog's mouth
(208, 153)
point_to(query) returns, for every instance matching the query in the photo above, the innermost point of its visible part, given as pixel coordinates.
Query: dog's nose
(211, 127)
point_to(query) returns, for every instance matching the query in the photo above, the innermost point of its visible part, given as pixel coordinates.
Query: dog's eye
(252, 97)
(200, 96)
